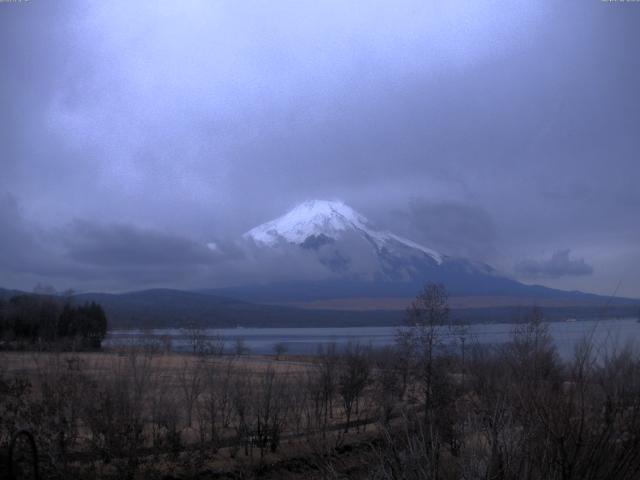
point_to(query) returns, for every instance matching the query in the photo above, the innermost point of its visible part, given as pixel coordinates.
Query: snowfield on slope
(331, 219)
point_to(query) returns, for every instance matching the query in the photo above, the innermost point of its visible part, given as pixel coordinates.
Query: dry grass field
(411, 412)
(144, 414)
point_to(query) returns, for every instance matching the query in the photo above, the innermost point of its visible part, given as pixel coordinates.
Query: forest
(45, 322)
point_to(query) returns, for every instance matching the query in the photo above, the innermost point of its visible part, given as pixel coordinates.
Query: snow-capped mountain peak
(328, 219)
(313, 217)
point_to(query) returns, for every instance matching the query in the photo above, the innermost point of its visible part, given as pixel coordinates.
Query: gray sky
(133, 132)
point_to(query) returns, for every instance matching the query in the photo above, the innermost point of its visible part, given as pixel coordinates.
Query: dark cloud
(117, 245)
(453, 228)
(89, 255)
(22, 245)
(557, 266)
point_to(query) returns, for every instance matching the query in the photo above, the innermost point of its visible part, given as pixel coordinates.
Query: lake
(605, 334)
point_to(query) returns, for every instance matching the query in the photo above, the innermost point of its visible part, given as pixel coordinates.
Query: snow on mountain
(332, 220)
(325, 250)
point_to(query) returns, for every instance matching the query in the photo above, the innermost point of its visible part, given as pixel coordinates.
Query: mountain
(177, 308)
(362, 262)
(316, 223)
(163, 308)
(347, 244)
(364, 276)
(6, 293)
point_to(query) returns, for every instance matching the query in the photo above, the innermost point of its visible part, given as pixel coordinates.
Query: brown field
(178, 400)
(96, 364)
(515, 411)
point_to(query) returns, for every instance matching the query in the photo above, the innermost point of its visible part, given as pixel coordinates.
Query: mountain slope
(317, 222)
(177, 308)
(361, 261)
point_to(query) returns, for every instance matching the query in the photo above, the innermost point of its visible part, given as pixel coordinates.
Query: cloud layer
(557, 266)
(134, 133)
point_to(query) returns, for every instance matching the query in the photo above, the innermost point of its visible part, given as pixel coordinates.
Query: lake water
(605, 334)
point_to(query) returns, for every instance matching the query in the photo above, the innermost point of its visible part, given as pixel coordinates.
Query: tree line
(28, 320)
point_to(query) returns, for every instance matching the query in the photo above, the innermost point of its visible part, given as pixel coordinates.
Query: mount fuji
(345, 242)
(365, 265)
(320, 220)
(323, 264)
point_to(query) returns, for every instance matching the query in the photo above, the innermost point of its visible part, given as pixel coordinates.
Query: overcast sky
(134, 132)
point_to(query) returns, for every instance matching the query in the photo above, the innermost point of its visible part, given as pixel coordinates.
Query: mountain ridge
(315, 218)
(366, 262)
(170, 308)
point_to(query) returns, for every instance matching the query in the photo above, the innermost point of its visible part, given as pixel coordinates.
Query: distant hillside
(168, 308)
(176, 308)
(473, 286)
(164, 308)
(5, 293)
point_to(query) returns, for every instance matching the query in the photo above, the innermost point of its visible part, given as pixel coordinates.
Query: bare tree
(353, 378)
(215, 410)
(243, 412)
(216, 344)
(196, 337)
(190, 380)
(328, 361)
(240, 346)
(389, 382)
(279, 349)
(270, 411)
(115, 417)
(426, 317)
